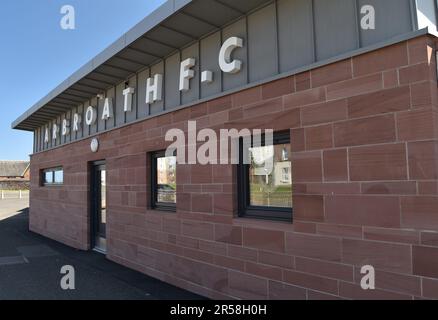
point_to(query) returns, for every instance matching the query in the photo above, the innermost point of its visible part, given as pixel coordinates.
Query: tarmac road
(30, 268)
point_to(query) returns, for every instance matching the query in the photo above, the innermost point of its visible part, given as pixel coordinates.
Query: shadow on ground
(30, 269)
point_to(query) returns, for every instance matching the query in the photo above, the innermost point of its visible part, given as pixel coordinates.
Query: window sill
(264, 224)
(160, 211)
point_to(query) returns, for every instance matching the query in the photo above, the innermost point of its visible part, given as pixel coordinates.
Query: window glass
(53, 177)
(270, 176)
(265, 179)
(166, 180)
(48, 177)
(59, 177)
(163, 181)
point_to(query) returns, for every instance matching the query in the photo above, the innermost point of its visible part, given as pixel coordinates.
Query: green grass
(267, 196)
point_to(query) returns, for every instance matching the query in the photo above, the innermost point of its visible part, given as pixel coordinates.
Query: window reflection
(270, 176)
(53, 176)
(59, 177)
(48, 177)
(103, 195)
(166, 180)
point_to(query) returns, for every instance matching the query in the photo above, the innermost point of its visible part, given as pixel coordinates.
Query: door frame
(94, 200)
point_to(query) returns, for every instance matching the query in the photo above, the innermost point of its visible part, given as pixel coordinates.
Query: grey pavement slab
(10, 206)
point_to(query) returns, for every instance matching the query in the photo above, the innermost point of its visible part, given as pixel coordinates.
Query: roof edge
(165, 11)
(348, 55)
(146, 24)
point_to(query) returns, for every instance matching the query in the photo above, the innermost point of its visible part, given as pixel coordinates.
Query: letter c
(227, 49)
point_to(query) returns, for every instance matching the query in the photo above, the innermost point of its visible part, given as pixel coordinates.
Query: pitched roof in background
(13, 168)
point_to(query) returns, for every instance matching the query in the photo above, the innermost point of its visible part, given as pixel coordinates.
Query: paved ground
(30, 267)
(9, 207)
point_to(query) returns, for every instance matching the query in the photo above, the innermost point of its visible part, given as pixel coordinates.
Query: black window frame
(53, 171)
(155, 205)
(245, 209)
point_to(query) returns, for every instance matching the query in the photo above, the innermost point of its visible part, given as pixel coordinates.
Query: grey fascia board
(351, 54)
(162, 13)
(151, 21)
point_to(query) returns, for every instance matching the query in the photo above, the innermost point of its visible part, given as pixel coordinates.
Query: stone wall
(364, 134)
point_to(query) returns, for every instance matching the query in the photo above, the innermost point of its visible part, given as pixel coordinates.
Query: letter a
(68, 20)
(368, 281)
(68, 281)
(368, 21)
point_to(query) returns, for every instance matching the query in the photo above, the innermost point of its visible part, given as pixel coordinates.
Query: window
(265, 179)
(53, 177)
(286, 176)
(163, 182)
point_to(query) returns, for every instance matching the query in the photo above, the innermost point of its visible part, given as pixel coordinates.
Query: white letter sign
(65, 127)
(46, 135)
(55, 131)
(90, 116)
(154, 90)
(127, 93)
(77, 119)
(107, 112)
(191, 74)
(186, 73)
(227, 49)
(207, 77)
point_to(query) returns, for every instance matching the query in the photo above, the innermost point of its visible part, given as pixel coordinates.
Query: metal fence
(14, 194)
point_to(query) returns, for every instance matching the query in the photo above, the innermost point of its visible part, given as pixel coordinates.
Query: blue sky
(36, 54)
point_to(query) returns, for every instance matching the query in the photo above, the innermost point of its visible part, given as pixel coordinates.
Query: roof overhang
(174, 25)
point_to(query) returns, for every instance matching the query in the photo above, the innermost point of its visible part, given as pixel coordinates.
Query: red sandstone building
(355, 177)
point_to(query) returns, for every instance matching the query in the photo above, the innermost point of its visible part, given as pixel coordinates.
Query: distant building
(14, 175)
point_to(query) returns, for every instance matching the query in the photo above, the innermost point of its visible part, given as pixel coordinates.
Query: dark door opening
(98, 207)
